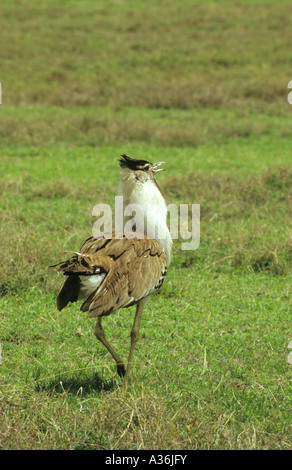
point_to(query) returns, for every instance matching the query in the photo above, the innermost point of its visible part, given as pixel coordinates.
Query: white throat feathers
(147, 211)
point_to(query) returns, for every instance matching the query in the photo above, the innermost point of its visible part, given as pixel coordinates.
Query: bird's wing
(138, 270)
(147, 274)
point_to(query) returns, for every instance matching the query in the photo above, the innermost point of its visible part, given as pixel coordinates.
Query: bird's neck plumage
(145, 193)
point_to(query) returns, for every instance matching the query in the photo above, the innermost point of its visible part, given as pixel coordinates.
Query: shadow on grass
(77, 385)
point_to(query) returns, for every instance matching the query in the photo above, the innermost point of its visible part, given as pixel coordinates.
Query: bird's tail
(77, 268)
(69, 291)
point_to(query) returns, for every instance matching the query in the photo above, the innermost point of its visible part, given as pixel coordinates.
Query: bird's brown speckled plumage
(134, 268)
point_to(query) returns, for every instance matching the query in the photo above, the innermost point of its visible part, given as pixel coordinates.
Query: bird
(120, 270)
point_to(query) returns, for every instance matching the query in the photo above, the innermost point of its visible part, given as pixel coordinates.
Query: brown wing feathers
(135, 268)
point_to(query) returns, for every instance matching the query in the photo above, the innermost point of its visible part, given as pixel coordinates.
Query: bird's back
(109, 274)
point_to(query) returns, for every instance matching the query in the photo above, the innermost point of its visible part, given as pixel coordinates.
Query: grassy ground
(202, 86)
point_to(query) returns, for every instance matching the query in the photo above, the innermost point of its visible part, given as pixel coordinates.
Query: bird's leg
(99, 333)
(134, 336)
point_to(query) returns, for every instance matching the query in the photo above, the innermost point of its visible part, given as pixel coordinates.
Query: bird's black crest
(127, 162)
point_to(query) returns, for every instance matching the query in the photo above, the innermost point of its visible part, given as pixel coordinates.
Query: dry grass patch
(245, 222)
(194, 55)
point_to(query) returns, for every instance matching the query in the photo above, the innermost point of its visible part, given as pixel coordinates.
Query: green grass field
(203, 87)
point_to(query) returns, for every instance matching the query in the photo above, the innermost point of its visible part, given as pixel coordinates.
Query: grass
(207, 93)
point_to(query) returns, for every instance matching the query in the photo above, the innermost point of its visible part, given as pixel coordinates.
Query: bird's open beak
(155, 165)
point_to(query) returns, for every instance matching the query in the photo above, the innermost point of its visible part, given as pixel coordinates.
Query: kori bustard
(109, 273)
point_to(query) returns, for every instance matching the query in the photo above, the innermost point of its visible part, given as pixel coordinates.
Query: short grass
(206, 92)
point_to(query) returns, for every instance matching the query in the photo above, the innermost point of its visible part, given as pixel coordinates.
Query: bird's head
(140, 169)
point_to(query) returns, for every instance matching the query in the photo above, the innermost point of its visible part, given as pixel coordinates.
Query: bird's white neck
(146, 208)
